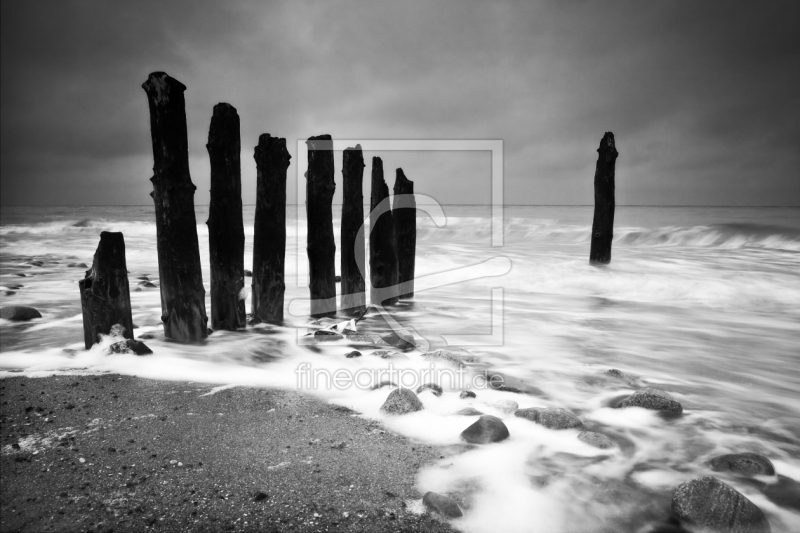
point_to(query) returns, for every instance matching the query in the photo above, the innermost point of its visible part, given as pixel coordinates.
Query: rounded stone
(506, 406)
(550, 417)
(485, 430)
(441, 504)
(469, 411)
(354, 353)
(598, 440)
(400, 402)
(130, 346)
(748, 464)
(19, 312)
(653, 399)
(708, 504)
(467, 394)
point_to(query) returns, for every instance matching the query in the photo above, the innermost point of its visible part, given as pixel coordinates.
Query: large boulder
(485, 430)
(707, 504)
(400, 402)
(654, 399)
(19, 312)
(598, 440)
(748, 464)
(441, 504)
(550, 417)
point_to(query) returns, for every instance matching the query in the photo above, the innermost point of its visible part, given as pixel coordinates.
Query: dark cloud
(702, 96)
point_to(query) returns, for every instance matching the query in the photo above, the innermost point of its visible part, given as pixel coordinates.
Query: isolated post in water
(321, 247)
(354, 299)
(269, 242)
(105, 295)
(382, 241)
(183, 307)
(603, 225)
(404, 212)
(225, 227)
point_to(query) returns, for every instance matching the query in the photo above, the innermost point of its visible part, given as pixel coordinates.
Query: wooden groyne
(603, 223)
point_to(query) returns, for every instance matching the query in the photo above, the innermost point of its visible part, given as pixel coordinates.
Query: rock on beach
(433, 387)
(441, 504)
(748, 464)
(130, 346)
(550, 417)
(707, 504)
(400, 402)
(485, 430)
(654, 399)
(598, 440)
(19, 312)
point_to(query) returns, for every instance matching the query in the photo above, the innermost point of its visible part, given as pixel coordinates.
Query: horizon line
(367, 203)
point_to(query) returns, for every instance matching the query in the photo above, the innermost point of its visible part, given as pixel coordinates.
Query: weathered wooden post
(404, 211)
(105, 294)
(382, 241)
(225, 226)
(603, 224)
(354, 298)
(269, 241)
(321, 247)
(183, 307)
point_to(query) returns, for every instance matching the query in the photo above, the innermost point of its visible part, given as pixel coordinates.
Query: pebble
(467, 394)
(653, 399)
(598, 440)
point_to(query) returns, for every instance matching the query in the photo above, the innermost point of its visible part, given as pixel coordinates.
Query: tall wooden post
(382, 241)
(321, 247)
(404, 211)
(354, 298)
(225, 226)
(269, 241)
(105, 294)
(183, 307)
(603, 224)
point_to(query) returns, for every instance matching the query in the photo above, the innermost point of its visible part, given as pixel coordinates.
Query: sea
(701, 302)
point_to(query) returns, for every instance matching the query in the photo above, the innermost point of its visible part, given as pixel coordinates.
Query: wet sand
(119, 453)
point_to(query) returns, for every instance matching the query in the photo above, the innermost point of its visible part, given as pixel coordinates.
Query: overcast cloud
(703, 97)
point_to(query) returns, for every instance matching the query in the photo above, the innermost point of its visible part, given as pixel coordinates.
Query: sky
(703, 97)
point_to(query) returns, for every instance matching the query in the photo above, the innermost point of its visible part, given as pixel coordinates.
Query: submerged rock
(709, 505)
(433, 387)
(354, 353)
(19, 312)
(598, 440)
(550, 417)
(146, 336)
(469, 411)
(400, 402)
(654, 399)
(130, 346)
(467, 394)
(485, 430)
(337, 279)
(449, 357)
(748, 464)
(9, 293)
(441, 504)
(401, 339)
(506, 406)
(147, 284)
(248, 273)
(323, 335)
(388, 354)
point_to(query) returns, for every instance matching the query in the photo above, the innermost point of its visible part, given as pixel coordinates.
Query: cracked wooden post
(225, 226)
(269, 241)
(105, 294)
(183, 307)
(382, 241)
(404, 212)
(354, 300)
(603, 224)
(321, 247)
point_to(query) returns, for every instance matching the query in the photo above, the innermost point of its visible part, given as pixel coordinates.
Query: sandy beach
(117, 453)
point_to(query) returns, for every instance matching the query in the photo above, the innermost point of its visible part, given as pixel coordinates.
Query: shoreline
(169, 456)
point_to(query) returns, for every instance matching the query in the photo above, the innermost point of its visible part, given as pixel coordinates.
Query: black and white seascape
(418, 266)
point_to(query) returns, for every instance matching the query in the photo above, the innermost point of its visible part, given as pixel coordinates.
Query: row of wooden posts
(105, 295)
